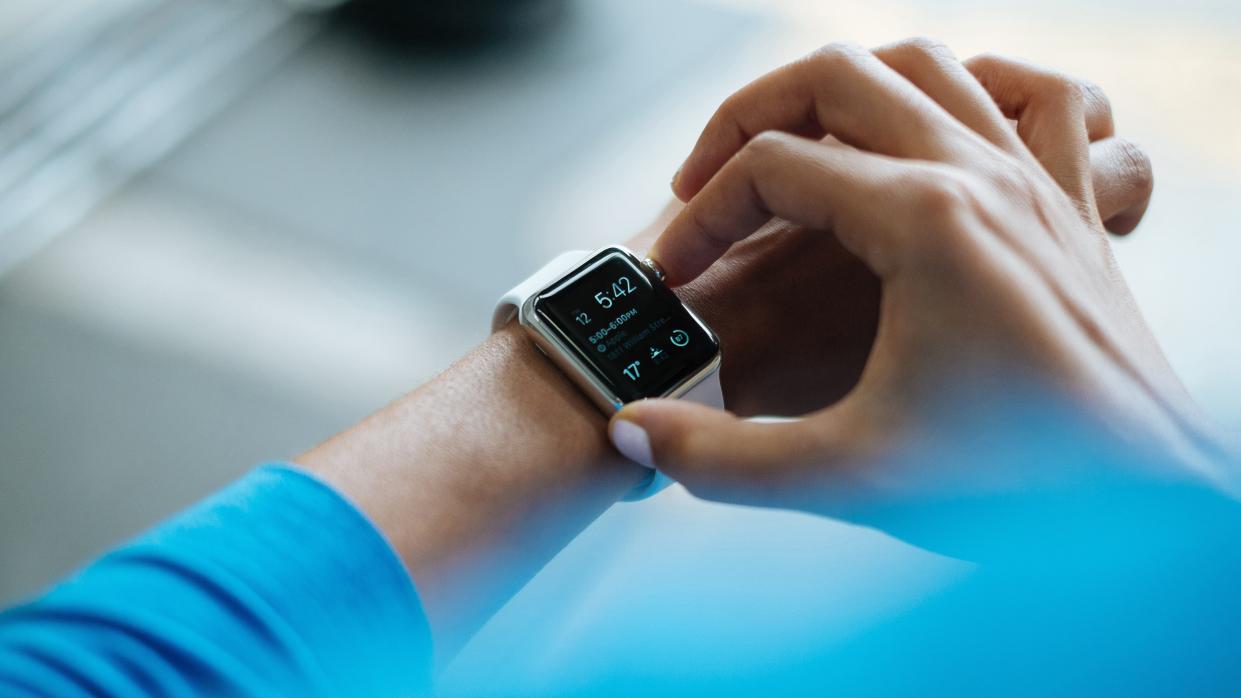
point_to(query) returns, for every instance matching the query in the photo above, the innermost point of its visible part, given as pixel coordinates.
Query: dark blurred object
(452, 22)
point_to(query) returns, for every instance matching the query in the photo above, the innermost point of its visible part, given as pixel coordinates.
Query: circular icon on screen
(679, 338)
(602, 347)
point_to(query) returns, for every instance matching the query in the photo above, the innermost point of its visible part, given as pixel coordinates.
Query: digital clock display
(633, 331)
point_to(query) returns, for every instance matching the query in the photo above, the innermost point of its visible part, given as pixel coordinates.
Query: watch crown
(654, 267)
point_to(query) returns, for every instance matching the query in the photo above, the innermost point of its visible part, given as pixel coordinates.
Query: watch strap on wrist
(511, 302)
(709, 393)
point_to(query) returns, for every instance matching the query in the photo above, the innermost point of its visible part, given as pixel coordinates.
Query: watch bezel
(562, 353)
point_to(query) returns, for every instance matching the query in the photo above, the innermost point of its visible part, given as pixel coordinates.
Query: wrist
(479, 477)
(499, 433)
(563, 435)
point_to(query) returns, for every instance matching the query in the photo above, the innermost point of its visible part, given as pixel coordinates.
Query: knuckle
(943, 198)
(837, 56)
(985, 57)
(762, 152)
(1094, 95)
(731, 111)
(731, 104)
(985, 62)
(941, 206)
(767, 143)
(926, 49)
(1062, 90)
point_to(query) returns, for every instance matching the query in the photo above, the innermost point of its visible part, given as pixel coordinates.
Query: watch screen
(636, 335)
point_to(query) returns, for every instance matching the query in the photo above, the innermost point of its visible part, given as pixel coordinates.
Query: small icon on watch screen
(601, 347)
(679, 338)
(656, 351)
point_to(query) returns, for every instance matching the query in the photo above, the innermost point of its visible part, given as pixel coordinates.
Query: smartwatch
(609, 322)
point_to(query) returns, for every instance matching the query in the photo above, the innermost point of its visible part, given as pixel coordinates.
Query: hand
(769, 370)
(994, 266)
(478, 477)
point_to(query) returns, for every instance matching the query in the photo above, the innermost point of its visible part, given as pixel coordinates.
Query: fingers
(1120, 173)
(718, 456)
(817, 185)
(839, 90)
(933, 68)
(1056, 116)
(1014, 84)
(1123, 183)
(642, 240)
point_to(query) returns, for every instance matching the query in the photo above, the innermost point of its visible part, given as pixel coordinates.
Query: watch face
(631, 331)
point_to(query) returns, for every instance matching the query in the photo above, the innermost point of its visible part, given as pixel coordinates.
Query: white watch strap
(708, 392)
(507, 308)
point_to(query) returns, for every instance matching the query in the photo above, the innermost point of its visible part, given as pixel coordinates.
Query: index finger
(841, 90)
(861, 197)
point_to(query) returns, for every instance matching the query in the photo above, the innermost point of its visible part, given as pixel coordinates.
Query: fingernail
(633, 443)
(675, 176)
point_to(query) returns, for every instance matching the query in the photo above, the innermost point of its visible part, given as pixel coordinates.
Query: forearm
(479, 477)
(277, 585)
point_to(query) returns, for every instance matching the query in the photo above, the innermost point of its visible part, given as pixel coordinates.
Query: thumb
(717, 455)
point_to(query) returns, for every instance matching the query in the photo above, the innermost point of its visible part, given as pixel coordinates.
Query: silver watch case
(550, 343)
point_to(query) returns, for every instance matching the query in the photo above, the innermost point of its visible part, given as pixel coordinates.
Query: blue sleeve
(274, 586)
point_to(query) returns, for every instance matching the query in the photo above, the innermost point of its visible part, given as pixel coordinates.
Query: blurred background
(230, 228)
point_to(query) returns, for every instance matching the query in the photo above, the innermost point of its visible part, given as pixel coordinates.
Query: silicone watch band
(706, 392)
(511, 302)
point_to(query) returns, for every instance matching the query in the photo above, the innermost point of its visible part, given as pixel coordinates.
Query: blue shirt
(278, 586)
(274, 586)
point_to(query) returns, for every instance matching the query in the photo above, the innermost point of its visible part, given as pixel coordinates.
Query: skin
(480, 476)
(997, 282)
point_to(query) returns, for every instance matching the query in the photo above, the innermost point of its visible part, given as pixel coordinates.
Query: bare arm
(479, 477)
